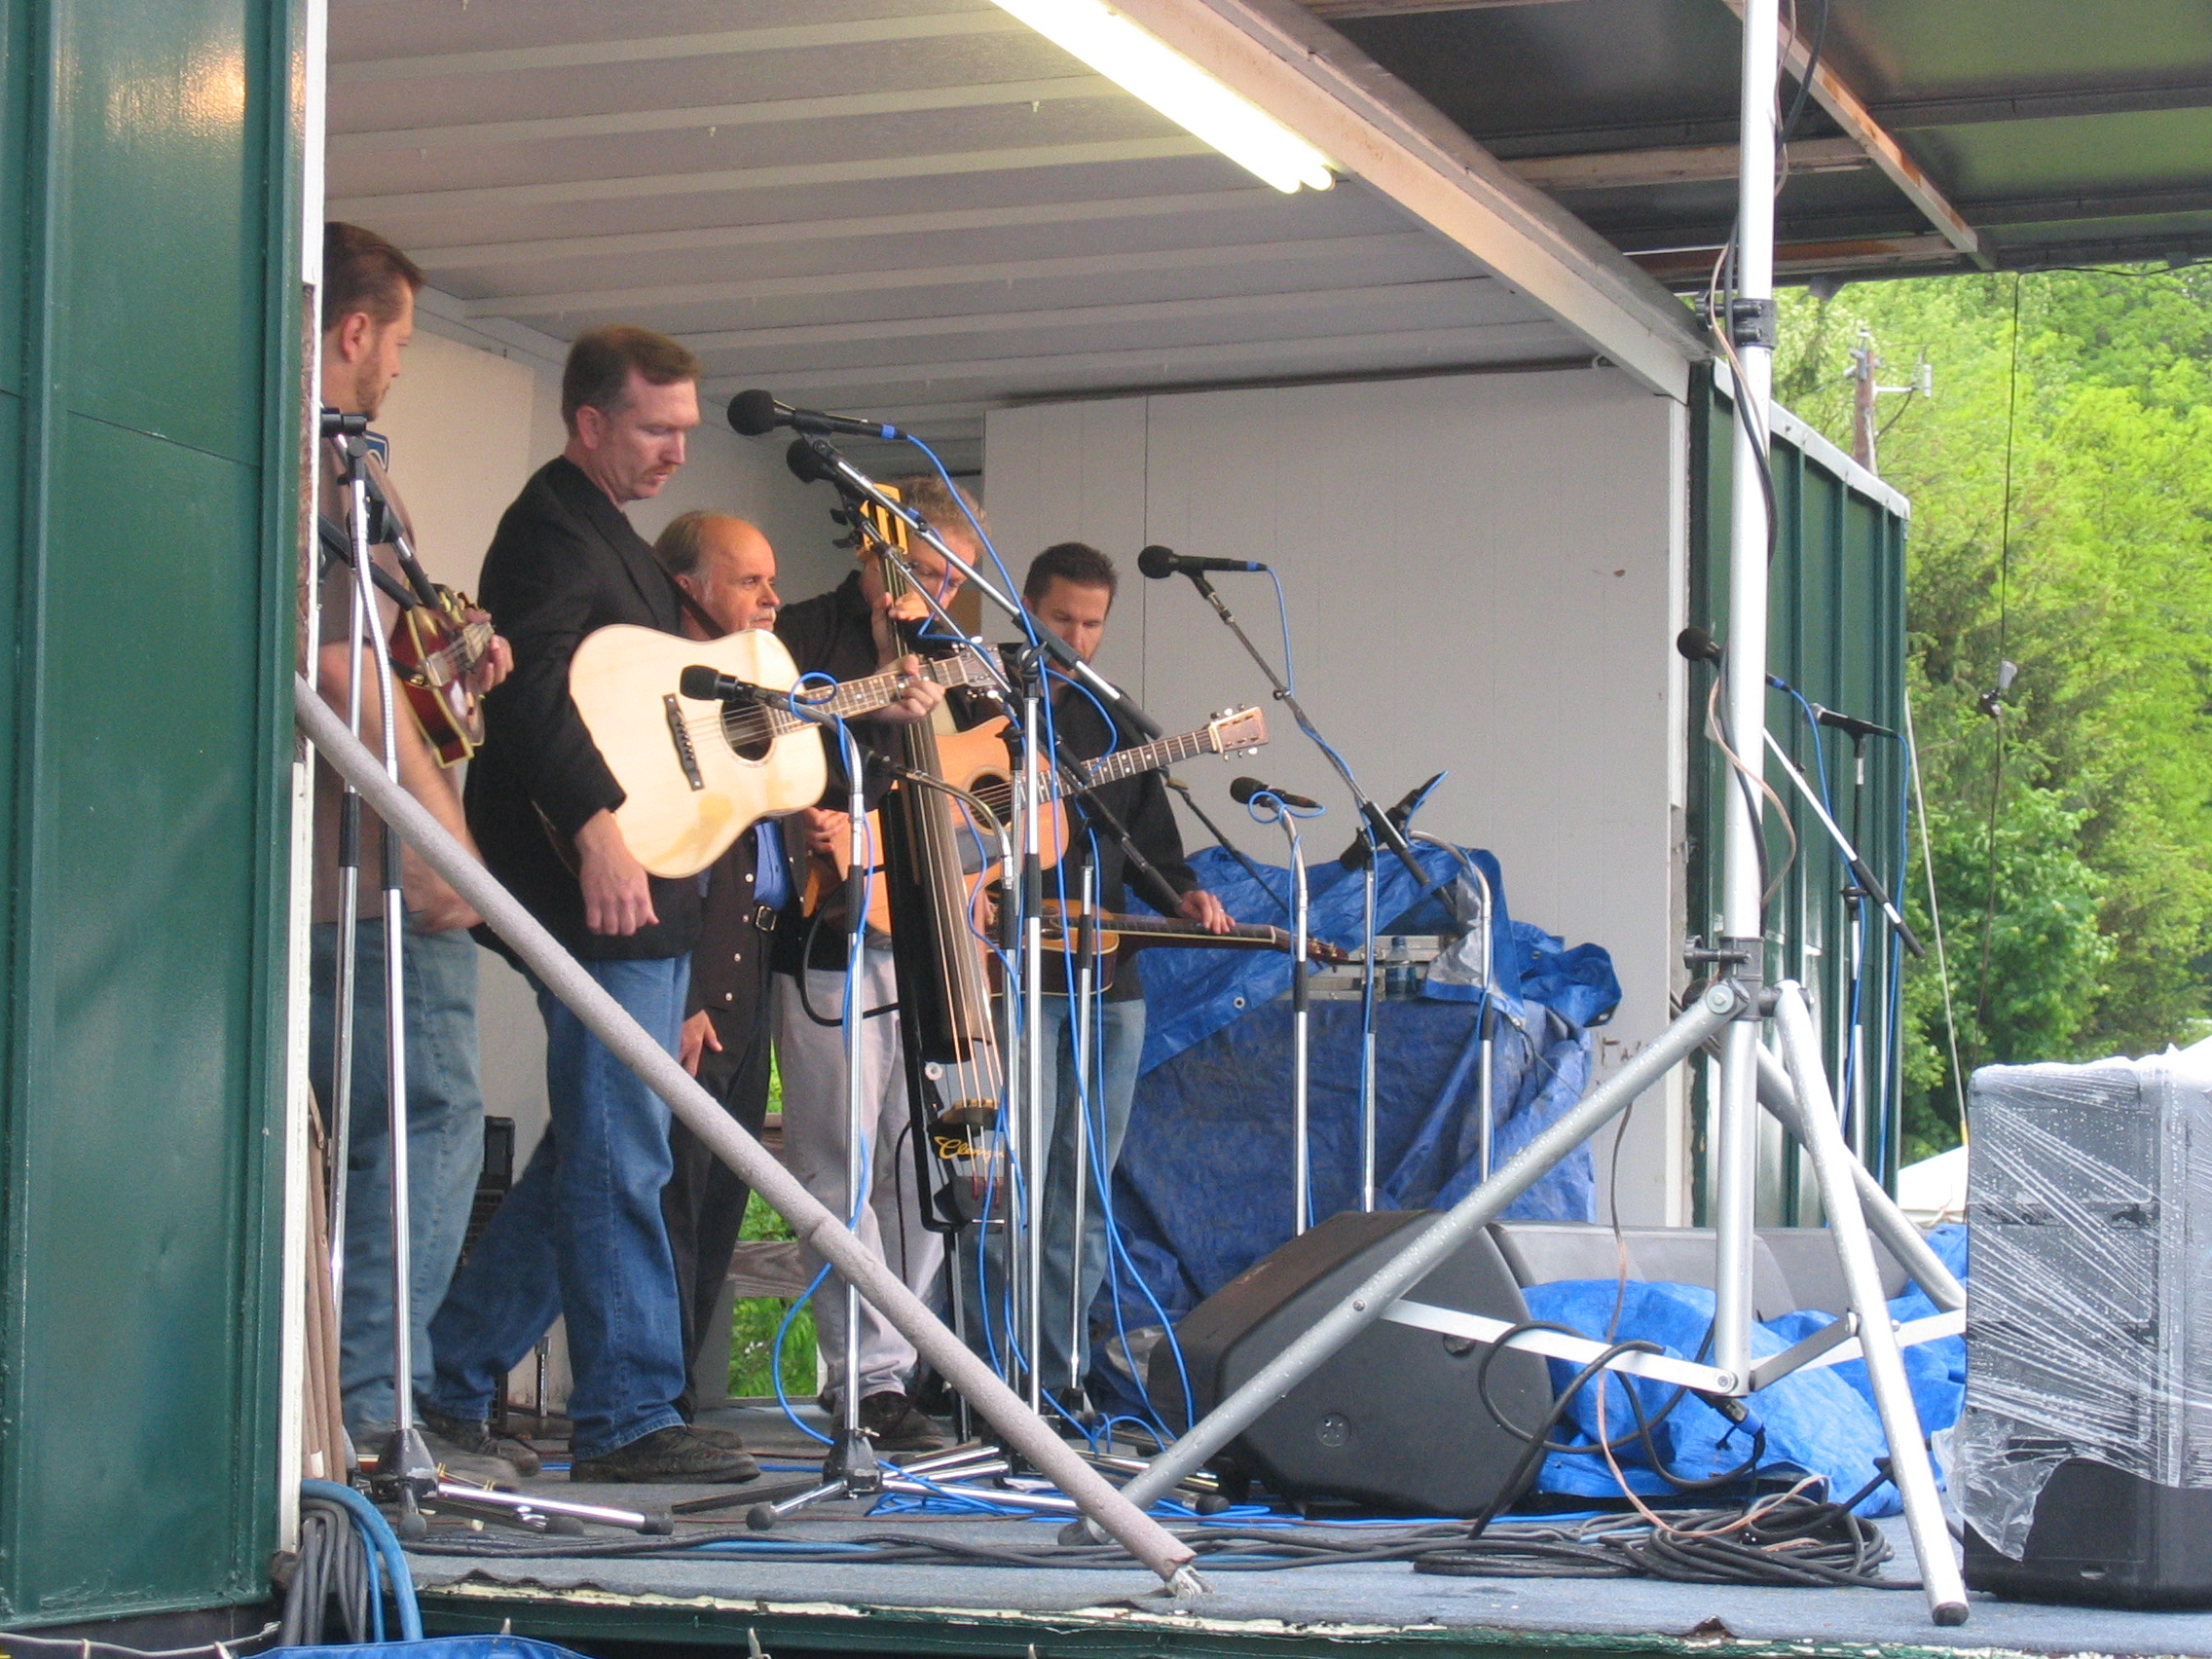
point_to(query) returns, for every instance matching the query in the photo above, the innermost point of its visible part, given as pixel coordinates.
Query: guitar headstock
(1235, 730)
(1329, 955)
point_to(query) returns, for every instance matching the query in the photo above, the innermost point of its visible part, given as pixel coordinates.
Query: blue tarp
(1202, 1189)
(1821, 1421)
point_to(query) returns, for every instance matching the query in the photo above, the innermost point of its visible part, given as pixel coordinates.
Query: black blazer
(564, 563)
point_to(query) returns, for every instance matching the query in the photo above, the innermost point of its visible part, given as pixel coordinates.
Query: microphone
(1158, 561)
(1354, 857)
(1243, 790)
(712, 685)
(1851, 725)
(1697, 645)
(756, 413)
(808, 464)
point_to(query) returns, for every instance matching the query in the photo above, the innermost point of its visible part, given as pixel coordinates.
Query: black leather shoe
(474, 1439)
(890, 1419)
(675, 1455)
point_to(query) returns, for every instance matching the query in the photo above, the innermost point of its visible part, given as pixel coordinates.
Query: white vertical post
(1742, 922)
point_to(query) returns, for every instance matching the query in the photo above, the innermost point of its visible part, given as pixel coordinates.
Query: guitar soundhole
(748, 732)
(995, 790)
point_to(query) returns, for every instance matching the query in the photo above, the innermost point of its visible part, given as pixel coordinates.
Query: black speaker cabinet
(1391, 1421)
(2107, 1537)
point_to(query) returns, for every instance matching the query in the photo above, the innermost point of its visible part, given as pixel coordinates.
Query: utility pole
(1863, 373)
(1863, 366)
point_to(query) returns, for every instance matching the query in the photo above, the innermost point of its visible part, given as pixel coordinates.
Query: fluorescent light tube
(1149, 68)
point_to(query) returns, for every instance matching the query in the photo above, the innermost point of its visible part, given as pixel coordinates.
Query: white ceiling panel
(916, 209)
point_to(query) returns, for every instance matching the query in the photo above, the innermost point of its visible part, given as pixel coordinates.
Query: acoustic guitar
(977, 760)
(434, 650)
(696, 773)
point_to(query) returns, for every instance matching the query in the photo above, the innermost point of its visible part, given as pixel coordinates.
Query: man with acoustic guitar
(581, 1234)
(728, 573)
(368, 314)
(1069, 589)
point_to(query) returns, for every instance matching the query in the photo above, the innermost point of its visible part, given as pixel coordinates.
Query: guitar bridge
(680, 735)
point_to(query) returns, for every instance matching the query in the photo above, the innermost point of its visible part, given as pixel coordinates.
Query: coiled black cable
(330, 1580)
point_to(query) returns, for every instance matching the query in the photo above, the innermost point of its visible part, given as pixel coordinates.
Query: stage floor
(1372, 1607)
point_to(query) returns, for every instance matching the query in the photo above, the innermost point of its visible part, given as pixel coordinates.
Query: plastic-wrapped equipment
(2089, 1322)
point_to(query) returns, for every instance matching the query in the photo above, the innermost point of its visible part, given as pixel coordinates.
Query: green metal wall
(149, 389)
(1836, 632)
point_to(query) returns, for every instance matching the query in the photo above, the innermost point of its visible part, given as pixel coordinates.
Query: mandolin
(696, 773)
(434, 650)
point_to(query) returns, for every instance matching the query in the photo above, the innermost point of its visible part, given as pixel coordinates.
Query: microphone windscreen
(1156, 562)
(807, 467)
(1243, 790)
(752, 413)
(699, 680)
(1695, 644)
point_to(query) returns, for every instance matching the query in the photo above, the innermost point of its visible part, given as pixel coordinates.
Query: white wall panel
(1484, 574)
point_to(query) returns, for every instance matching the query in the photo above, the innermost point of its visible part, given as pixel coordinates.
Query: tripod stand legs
(1910, 1467)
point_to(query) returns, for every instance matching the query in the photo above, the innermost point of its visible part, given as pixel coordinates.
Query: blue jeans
(1119, 1036)
(445, 1145)
(582, 1236)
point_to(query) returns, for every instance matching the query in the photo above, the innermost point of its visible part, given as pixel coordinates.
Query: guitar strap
(698, 611)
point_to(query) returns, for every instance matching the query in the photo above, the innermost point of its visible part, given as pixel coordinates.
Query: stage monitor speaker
(1391, 1421)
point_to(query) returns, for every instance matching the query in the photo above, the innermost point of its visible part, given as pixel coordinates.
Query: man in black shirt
(1070, 589)
(581, 1234)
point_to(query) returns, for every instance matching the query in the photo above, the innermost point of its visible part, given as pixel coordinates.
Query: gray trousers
(810, 1061)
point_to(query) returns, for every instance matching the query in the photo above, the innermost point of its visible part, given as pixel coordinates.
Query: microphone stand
(850, 1468)
(405, 1471)
(1387, 833)
(1300, 1017)
(1857, 867)
(1223, 842)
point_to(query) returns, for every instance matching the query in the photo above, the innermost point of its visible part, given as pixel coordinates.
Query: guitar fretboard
(763, 721)
(1129, 763)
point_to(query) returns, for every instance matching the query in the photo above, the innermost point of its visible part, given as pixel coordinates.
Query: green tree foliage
(2061, 482)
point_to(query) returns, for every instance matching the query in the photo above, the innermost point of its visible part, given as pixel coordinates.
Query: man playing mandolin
(368, 314)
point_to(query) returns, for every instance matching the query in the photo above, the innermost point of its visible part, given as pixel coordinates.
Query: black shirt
(830, 634)
(1140, 804)
(563, 564)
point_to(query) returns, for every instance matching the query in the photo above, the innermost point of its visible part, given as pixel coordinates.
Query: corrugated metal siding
(1836, 632)
(148, 404)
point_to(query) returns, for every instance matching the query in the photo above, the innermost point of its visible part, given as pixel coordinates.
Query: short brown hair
(1072, 562)
(597, 374)
(361, 271)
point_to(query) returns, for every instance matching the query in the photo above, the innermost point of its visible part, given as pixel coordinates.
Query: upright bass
(935, 867)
